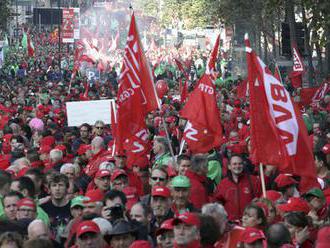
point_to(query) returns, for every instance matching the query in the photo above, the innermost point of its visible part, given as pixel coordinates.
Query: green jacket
(214, 168)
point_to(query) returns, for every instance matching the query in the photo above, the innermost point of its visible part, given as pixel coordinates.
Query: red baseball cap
(83, 148)
(102, 173)
(140, 244)
(251, 235)
(295, 204)
(131, 196)
(95, 195)
(273, 195)
(283, 180)
(161, 191)
(187, 218)
(323, 237)
(117, 173)
(87, 226)
(61, 148)
(326, 149)
(26, 202)
(167, 225)
(47, 141)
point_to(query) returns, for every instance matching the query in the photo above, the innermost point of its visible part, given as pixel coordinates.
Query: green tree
(5, 14)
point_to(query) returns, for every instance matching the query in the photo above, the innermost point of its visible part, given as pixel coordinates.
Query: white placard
(89, 112)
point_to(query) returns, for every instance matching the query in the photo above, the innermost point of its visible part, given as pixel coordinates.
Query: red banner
(68, 25)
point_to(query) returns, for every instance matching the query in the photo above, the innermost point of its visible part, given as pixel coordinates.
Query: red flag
(210, 68)
(181, 68)
(184, 92)
(277, 74)
(298, 68)
(203, 131)
(242, 89)
(298, 64)
(136, 94)
(85, 95)
(30, 46)
(278, 133)
(86, 58)
(321, 92)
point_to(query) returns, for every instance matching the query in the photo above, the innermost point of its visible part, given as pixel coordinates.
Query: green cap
(180, 182)
(316, 192)
(77, 201)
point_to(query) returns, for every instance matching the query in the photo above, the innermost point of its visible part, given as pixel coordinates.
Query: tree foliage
(5, 14)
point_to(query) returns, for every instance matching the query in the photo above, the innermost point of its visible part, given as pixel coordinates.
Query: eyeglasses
(160, 179)
(99, 127)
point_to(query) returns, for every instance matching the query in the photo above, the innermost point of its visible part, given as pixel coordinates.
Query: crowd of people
(64, 186)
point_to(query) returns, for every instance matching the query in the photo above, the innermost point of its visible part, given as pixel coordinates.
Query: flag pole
(262, 177)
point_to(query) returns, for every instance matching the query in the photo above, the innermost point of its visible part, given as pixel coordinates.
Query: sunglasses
(99, 127)
(160, 179)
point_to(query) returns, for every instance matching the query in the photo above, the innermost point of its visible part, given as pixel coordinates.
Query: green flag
(24, 41)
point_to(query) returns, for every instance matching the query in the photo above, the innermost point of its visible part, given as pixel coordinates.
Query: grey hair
(210, 208)
(99, 122)
(56, 155)
(69, 166)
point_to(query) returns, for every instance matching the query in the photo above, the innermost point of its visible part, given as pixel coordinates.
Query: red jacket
(236, 196)
(198, 194)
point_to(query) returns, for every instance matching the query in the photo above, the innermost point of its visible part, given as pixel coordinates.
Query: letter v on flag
(278, 133)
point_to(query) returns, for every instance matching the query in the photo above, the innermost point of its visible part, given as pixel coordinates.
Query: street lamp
(59, 34)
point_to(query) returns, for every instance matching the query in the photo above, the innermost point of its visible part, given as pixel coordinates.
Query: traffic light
(300, 37)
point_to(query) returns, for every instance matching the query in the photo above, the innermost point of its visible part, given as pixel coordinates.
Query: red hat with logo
(117, 173)
(131, 196)
(87, 226)
(295, 204)
(251, 235)
(188, 218)
(102, 173)
(95, 195)
(167, 225)
(26, 202)
(284, 180)
(161, 191)
(323, 237)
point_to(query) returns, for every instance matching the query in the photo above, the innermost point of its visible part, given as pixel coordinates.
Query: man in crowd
(237, 189)
(58, 207)
(186, 231)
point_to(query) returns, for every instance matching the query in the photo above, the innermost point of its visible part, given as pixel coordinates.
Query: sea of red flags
(278, 133)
